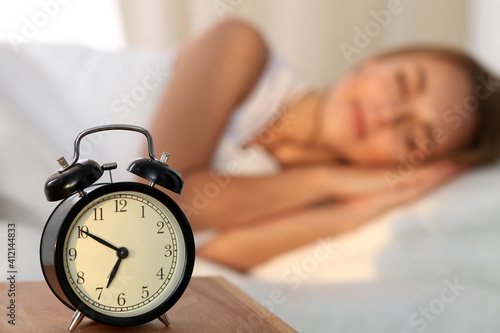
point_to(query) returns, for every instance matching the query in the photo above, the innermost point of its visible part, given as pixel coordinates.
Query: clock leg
(75, 320)
(164, 319)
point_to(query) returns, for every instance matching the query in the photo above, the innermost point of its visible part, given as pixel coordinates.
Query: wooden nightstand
(208, 305)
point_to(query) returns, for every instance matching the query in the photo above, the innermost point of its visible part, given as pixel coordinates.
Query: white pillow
(50, 93)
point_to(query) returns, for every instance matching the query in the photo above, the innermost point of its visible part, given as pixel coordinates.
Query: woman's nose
(392, 112)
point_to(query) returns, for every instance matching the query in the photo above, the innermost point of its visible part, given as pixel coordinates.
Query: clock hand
(113, 272)
(122, 253)
(100, 240)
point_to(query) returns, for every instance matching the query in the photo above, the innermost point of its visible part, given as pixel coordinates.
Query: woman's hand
(416, 184)
(348, 182)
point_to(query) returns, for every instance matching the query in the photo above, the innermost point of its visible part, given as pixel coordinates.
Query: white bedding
(431, 266)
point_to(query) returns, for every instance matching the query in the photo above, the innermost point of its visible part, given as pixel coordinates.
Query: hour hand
(122, 253)
(113, 272)
(100, 240)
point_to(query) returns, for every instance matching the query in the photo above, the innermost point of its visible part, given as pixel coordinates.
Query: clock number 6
(121, 299)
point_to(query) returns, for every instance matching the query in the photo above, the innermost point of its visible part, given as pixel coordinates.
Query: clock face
(124, 254)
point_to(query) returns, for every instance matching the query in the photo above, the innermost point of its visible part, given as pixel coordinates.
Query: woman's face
(395, 108)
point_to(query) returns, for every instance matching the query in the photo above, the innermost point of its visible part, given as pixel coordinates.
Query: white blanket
(431, 266)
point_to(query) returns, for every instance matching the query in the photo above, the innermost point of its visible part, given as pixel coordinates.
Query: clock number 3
(168, 249)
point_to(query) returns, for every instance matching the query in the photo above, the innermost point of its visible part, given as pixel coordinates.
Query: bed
(429, 266)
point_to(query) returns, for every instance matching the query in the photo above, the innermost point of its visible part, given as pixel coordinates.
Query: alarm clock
(119, 253)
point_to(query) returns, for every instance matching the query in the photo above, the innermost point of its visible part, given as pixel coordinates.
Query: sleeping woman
(271, 163)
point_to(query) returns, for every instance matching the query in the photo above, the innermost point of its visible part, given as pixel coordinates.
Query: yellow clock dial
(124, 254)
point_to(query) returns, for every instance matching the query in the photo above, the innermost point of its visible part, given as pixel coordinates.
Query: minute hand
(100, 240)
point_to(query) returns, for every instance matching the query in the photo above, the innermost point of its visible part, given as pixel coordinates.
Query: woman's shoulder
(237, 39)
(245, 31)
(278, 86)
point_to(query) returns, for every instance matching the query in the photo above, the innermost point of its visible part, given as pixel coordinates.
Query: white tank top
(277, 87)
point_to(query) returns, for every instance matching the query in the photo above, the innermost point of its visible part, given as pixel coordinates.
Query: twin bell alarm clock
(119, 253)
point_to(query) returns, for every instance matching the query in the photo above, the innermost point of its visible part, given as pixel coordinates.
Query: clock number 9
(72, 254)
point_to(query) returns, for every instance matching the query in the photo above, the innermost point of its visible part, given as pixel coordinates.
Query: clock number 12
(120, 206)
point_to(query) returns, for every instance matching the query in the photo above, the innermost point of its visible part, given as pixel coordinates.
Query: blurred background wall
(321, 39)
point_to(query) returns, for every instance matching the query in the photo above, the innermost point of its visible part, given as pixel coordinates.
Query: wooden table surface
(208, 305)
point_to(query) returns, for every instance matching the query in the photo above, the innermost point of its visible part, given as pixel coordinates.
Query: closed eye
(410, 138)
(402, 83)
(416, 132)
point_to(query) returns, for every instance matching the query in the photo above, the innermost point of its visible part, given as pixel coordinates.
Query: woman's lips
(359, 120)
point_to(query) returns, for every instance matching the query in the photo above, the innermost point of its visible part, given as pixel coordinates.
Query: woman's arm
(213, 199)
(213, 74)
(216, 199)
(247, 246)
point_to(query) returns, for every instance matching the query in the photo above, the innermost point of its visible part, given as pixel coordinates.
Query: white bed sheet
(430, 266)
